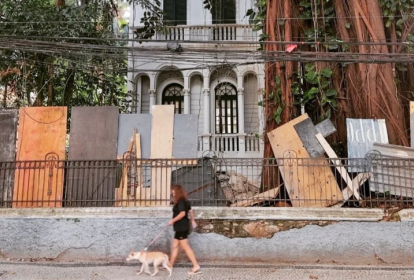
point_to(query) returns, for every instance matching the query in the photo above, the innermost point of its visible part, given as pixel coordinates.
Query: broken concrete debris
(236, 187)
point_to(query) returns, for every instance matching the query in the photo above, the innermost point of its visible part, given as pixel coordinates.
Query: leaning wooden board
(92, 167)
(8, 131)
(41, 140)
(309, 182)
(161, 148)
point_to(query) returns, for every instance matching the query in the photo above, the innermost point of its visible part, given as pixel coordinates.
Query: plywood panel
(185, 136)
(412, 123)
(93, 133)
(309, 183)
(129, 122)
(161, 148)
(131, 191)
(41, 139)
(8, 130)
(93, 140)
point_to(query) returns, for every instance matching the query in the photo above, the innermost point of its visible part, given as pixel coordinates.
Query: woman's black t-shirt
(184, 223)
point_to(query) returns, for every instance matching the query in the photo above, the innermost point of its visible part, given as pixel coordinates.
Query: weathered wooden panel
(361, 134)
(309, 182)
(93, 133)
(393, 170)
(412, 123)
(161, 148)
(185, 136)
(41, 145)
(93, 139)
(8, 131)
(127, 124)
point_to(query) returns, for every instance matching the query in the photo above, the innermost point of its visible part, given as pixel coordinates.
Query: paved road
(41, 272)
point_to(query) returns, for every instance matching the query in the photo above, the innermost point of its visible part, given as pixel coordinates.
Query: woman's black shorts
(180, 235)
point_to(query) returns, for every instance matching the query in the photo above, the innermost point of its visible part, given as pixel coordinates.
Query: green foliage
(152, 21)
(80, 77)
(257, 18)
(398, 11)
(316, 92)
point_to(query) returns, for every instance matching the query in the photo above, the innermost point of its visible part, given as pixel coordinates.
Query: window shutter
(223, 11)
(181, 12)
(229, 11)
(169, 11)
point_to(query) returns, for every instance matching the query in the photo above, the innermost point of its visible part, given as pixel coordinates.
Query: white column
(138, 97)
(152, 98)
(206, 93)
(186, 92)
(240, 106)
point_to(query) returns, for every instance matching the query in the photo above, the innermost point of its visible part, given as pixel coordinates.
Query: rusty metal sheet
(8, 131)
(91, 181)
(38, 180)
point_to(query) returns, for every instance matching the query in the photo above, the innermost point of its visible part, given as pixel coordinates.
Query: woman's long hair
(179, 193)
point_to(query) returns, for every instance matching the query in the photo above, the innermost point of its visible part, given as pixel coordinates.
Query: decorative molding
(152, 92)
(186, 92)
(240, 91)
(164, 76)
(206, 91)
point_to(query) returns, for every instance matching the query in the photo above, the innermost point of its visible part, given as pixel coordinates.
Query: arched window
(173, 94)
(226, 109)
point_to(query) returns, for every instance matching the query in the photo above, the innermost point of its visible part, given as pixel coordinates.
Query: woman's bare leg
(190, 254)
(174, 251)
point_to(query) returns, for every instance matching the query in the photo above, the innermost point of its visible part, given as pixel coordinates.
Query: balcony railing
(229, 143)
(218, 32)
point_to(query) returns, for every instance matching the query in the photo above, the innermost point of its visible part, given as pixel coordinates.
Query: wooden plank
(93, 140)
(41, 138)
(351, 187)
(8, 132)
(309, 183)
(412, 123)
(267, 195)
(161, 148)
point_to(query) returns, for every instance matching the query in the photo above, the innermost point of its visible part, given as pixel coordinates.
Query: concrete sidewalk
(9, 271)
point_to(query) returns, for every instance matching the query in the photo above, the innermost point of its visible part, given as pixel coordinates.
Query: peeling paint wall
(270, 241)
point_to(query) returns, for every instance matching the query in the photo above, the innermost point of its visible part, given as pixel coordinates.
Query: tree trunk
(6, 88)
(60, 3)
(50, 86)
(69, 90)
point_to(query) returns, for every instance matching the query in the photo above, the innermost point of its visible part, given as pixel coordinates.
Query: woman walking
(181, 224)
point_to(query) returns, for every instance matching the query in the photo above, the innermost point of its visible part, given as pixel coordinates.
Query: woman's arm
(176, 219)
(193, 222)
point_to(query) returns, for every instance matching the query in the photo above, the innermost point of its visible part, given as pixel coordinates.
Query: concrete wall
(286, 235)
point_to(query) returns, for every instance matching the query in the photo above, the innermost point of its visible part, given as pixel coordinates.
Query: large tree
(329, 88)
(61, 53)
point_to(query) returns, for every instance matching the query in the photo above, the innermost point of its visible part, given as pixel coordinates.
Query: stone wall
(326, 236)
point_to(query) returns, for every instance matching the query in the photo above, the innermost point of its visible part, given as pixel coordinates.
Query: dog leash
(156, 237)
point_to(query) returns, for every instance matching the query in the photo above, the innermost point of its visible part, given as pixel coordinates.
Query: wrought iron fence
(289, 182)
